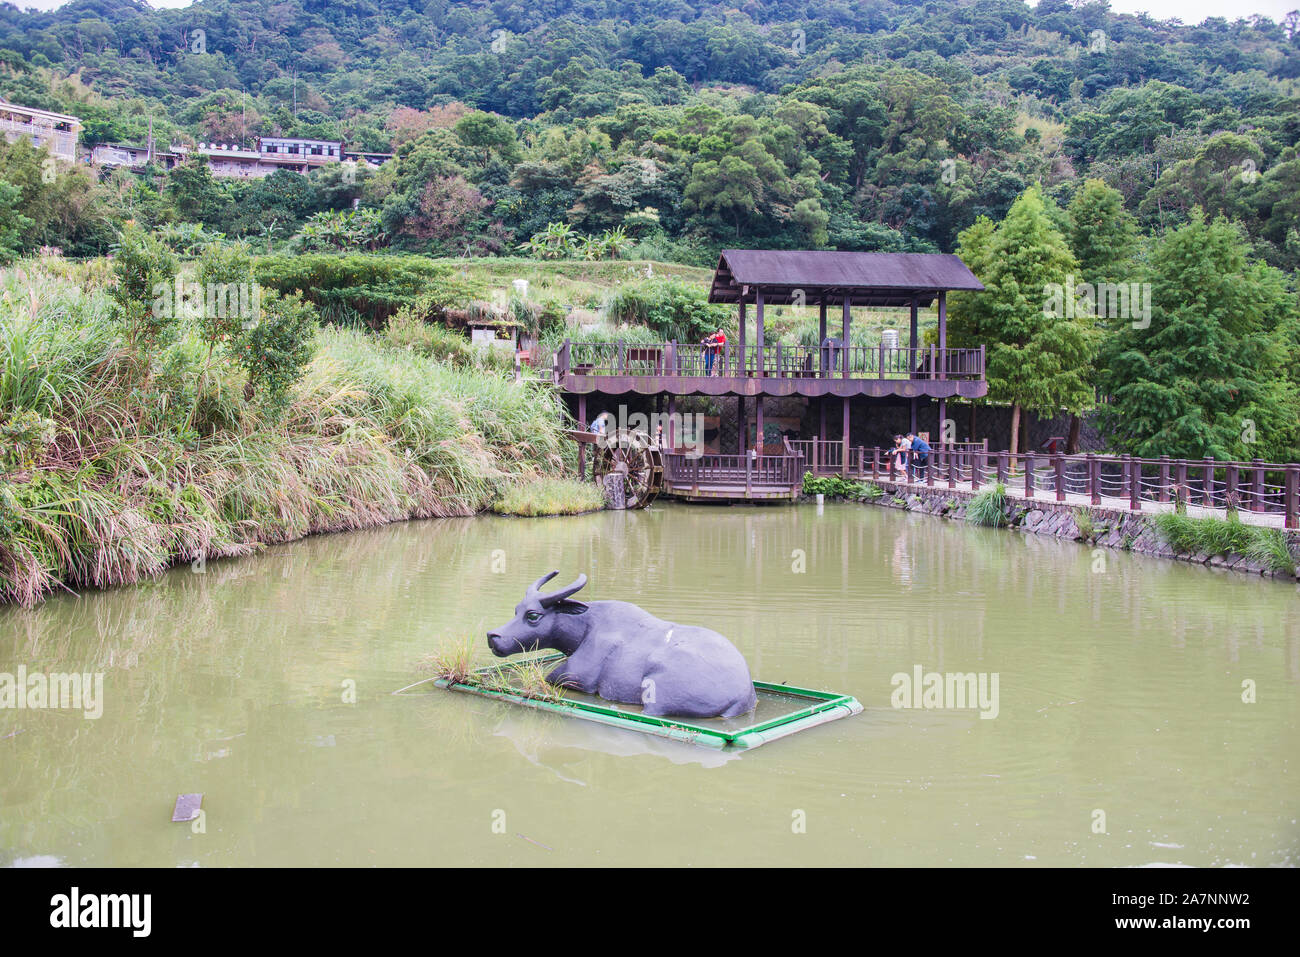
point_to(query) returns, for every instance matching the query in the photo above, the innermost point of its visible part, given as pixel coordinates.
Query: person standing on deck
(712, 349)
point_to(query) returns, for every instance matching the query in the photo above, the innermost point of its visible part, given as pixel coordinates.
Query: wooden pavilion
(755, 371)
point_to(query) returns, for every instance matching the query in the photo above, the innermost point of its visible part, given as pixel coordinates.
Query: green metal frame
(825, 706)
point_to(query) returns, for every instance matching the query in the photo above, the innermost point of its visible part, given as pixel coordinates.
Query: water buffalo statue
(622, 653)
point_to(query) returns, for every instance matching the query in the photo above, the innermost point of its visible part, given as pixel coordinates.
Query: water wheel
(637, 459)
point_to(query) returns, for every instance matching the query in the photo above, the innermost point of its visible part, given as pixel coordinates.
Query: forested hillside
(678, 127)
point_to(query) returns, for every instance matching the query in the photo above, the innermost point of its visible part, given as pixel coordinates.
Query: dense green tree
(1211, 374)
(1038, 357)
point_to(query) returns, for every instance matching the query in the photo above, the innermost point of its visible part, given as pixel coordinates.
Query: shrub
(349, 290)
(145, 270)
(275, 349)
(671, 308)
(988, 507)
(23, 437)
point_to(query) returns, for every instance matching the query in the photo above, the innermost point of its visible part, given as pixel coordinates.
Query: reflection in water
(1120, 690)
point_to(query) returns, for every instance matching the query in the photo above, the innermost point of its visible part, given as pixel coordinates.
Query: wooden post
(759, 439)
(1094, 479)
(1291, 488)
(1163, 490)
(844, 466)
(741, 337)
(875, 461)
(1230, 486)
(749, 468)
(845, 371)
(1207, 482)
(1135, 486)
(1029, 476)
(1180, 479)
(913, 341)
(943, 335)
(951, 456)
(821, 340)
(934, 467)
(758, 334)
(975, 466)
(780, 368)
(816, 449)
(932, 360)
(1059, 463)
(1257, 483)
(880, 373)
(743, 433)
(582, 446)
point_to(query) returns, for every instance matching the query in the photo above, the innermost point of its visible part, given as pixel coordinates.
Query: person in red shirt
(712, 349)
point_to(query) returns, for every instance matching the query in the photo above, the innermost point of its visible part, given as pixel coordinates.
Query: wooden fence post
(1059, 463)
(1291, 488)
(1094, 479)
(1164, 479)
(1029, 476)
(1135, 486)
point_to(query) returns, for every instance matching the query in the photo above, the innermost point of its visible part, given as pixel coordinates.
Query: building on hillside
(53, 130)
(135, 157)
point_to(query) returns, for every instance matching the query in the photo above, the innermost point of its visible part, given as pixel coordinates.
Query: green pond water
(1120, 685)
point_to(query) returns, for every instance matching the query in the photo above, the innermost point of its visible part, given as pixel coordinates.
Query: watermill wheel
(637, 459)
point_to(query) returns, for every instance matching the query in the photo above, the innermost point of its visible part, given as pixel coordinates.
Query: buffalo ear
(571, 607)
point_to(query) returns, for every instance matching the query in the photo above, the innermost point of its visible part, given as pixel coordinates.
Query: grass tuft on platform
(550, 496)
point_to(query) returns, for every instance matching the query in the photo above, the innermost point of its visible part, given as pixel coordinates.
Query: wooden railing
(682, 471)
(1127, 481)
(774, 361)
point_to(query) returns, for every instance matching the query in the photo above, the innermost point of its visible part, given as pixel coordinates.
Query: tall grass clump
(126, 460)
(988, 507)
(1269, 547)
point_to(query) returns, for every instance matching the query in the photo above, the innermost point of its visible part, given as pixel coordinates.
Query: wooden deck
(616, 368)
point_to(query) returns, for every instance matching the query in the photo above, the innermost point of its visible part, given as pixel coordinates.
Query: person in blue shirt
(919, 452)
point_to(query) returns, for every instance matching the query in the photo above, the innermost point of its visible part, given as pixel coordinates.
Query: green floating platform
(782, 710)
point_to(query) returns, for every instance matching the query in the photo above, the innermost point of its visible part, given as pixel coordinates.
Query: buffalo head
(542, 621)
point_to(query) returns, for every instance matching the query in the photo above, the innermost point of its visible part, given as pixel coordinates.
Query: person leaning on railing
(919, 452)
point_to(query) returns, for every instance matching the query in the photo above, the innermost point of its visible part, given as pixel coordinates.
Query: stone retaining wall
(1111, 528)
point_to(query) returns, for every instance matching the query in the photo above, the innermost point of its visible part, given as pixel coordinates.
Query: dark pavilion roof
(869, 279)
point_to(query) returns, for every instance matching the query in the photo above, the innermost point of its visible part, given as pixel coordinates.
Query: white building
(53, 130)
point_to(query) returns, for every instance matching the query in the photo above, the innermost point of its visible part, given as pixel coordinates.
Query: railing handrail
(1256, 487)
(620, 357)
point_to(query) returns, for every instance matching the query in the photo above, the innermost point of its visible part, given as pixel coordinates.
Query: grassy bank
(121, 461)
(550, 496)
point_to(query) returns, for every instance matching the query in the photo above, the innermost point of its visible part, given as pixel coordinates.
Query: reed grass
(156, 461)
